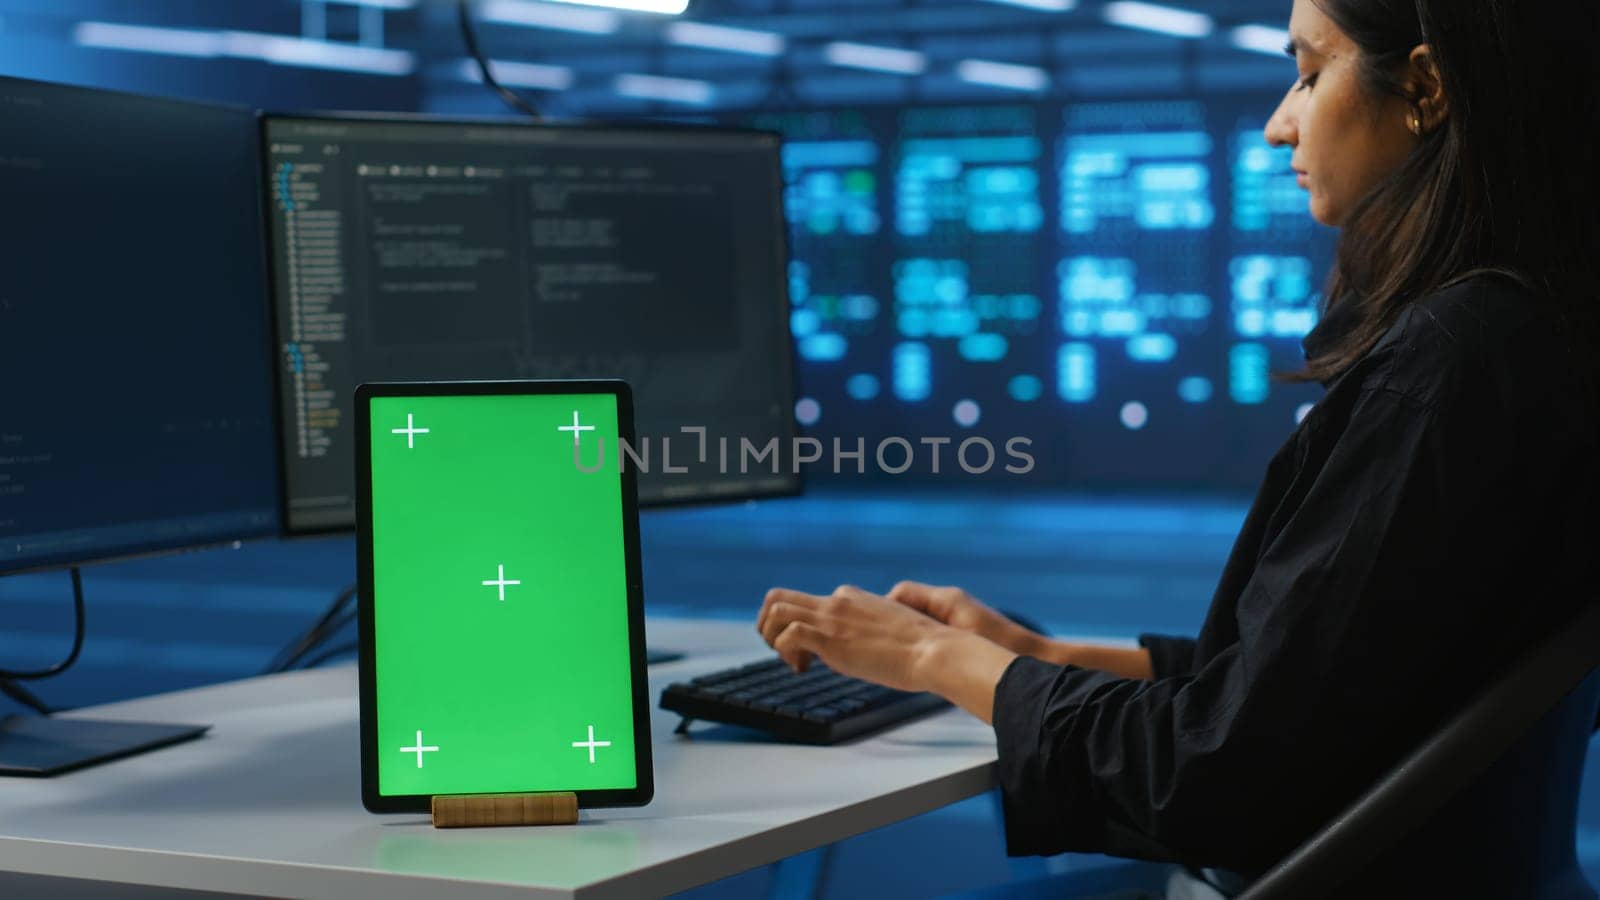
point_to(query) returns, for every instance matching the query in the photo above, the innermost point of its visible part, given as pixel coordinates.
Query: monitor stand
(653, 656)
(43, 746)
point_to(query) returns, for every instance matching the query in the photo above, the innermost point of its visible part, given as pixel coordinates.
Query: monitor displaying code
(436, 250)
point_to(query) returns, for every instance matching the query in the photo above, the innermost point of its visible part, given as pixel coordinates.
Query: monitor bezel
(788, 357)
(644, 779)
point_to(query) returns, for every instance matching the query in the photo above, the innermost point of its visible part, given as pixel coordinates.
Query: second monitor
(419, 249)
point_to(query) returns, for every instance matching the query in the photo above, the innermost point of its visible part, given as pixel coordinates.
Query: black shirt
(1432, 516)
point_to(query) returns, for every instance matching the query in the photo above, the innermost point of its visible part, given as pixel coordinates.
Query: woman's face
(1345, 141)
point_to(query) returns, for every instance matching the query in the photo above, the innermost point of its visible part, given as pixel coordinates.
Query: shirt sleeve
(1381, 575)
(1169, 656)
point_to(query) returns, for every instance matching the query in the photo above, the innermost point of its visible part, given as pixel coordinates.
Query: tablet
(501, 601)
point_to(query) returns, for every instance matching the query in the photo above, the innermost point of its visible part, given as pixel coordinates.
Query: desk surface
(269, 801)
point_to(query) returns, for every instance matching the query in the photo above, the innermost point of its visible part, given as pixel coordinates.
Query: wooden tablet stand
(485, 810)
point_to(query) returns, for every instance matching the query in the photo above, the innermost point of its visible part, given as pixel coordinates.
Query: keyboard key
(787, 695)
(878, 696)
(823, 714)
(750, 683)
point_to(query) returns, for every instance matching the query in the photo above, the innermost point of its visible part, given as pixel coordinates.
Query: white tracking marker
(501, 582)
(591, 743)
(410, 431)
(576, 429)
(419, 749)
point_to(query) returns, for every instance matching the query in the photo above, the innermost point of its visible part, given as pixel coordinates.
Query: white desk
(269, 801)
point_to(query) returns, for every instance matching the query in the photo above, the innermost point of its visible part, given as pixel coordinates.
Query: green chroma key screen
(499, 596)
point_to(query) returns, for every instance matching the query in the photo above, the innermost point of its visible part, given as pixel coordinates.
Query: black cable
(9, 678)
(320, 631)
(321, 658)
(77, 640)
(24, 696)
(314, 635)
(332, 629)
(469, 36)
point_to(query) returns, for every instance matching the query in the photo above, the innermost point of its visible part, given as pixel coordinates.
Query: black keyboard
(817, 706)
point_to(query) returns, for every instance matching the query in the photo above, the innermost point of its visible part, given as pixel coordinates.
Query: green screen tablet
(502, 628)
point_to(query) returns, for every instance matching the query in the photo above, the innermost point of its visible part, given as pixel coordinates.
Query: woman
(1431, 518)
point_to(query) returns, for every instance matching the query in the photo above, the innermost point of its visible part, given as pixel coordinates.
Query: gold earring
(1416, 124)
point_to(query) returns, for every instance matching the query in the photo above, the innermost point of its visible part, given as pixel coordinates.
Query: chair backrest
(1457, 755)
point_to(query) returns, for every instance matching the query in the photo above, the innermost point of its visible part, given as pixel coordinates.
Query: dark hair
(1505, 182)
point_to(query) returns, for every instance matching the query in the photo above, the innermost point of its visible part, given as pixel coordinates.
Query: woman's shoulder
(1491, 305)
(1486, 331)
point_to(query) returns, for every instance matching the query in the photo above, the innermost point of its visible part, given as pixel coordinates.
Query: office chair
(1533, 726)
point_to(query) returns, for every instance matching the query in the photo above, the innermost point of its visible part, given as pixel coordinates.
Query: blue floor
(1090, 566)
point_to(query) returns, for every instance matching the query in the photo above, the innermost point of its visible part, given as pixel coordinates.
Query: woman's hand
(959, 609)
(874, 638)
(855, 632)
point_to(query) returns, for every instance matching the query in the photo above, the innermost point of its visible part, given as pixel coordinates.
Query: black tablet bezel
(644, 780)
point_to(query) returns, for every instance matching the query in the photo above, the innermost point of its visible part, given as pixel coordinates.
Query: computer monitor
(136, 407)
(424, 249)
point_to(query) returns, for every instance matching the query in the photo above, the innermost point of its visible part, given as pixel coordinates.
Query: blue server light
(1025, 388)
(983, 347)
(1195, 389)
(823, 347)
(913, 371)
(858, 307)
(1075, 373)
(804, 322)
(1267, 200)
(931, 299)
(832, 186)
(1157, 180)
(862, 386)
(987, 183)
(1249, 376)
(1272, 296)
(1152, 348)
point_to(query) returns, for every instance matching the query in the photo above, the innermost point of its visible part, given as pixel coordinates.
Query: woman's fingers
(914, 594)
(798, 643)
(856, 632)
(782, 595)
(796, 623)
(932, 600)
(781, 615)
